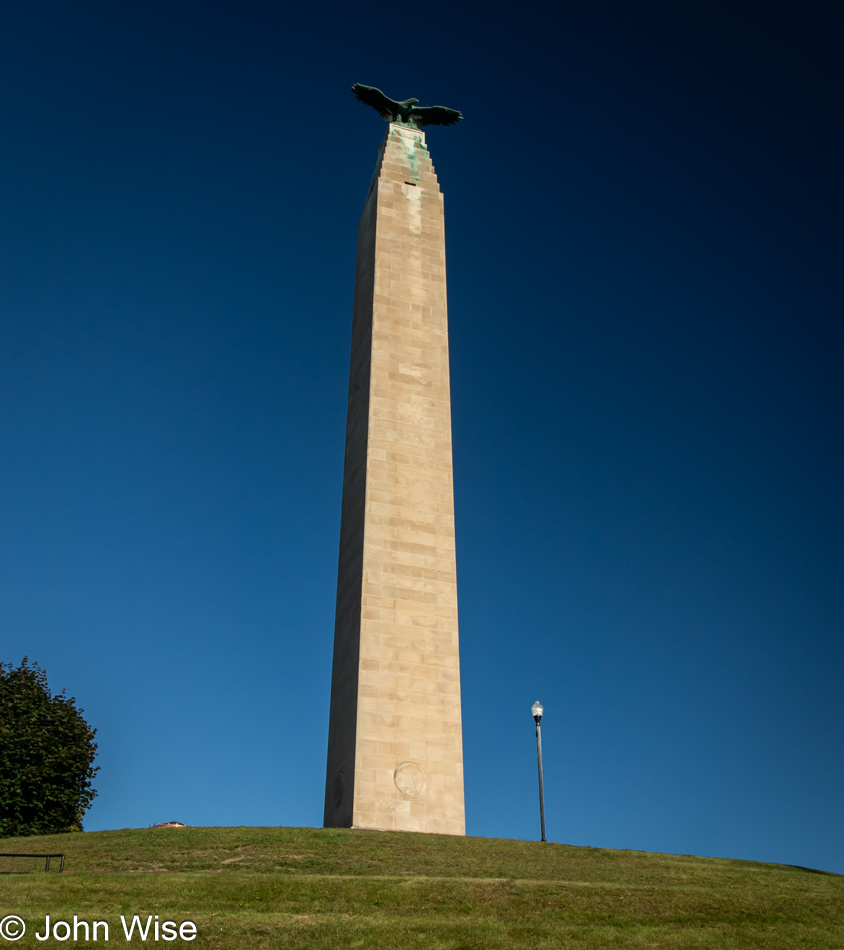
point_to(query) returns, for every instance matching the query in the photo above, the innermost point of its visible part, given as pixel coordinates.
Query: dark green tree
(47, 752)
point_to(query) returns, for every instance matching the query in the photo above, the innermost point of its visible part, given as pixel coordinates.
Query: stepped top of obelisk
(406, 112)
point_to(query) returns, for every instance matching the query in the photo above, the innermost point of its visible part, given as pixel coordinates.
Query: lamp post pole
(537, 711)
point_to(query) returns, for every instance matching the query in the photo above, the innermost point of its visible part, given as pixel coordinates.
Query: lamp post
(537, 711)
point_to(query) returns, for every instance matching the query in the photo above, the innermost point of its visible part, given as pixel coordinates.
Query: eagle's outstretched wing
(383, 105)
(436, 115)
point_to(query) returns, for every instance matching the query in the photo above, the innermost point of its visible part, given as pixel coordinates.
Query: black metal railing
(8, 854)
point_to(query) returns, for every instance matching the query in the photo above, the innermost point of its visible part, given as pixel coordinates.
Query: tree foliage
(47, 752)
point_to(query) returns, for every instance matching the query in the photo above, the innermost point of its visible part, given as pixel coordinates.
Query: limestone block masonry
(395, 747)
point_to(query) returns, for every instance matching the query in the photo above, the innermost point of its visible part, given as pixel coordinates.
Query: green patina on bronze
(411, 148)
(406, 112)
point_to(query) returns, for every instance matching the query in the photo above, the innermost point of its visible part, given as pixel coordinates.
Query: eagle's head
(410, 102)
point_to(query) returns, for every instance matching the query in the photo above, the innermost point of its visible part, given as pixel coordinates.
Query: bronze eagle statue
(408, 111)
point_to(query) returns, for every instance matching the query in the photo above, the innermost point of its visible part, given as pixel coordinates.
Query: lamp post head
(537, 711)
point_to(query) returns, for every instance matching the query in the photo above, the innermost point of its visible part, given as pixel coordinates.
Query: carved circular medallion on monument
(410, 779)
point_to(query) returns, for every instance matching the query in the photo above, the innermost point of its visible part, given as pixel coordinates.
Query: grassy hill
(304, 887)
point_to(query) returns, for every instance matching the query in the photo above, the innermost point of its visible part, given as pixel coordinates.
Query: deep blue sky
(644, 228)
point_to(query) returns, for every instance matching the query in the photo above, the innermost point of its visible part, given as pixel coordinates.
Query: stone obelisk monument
(395, 752)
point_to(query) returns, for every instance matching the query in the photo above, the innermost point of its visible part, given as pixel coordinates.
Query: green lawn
(305, 887)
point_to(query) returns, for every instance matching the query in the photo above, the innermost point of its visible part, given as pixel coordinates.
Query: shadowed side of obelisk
(340, 772)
